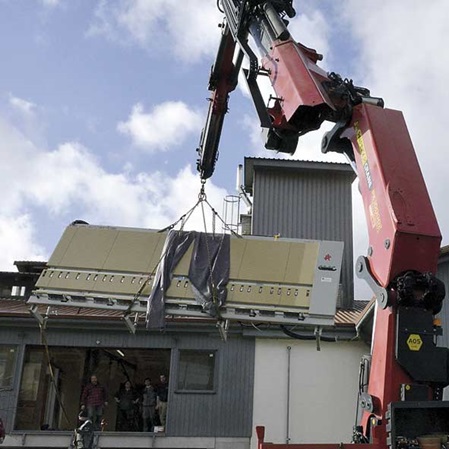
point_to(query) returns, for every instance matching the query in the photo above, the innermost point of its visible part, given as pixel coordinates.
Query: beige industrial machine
(284, 281)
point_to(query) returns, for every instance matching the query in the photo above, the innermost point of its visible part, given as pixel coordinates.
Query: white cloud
(71, 182)
(126, 199)
(186, 29)
(312, 30)
(17, 152)
(402, 60)
(50, 3)
(163, 128)
(18, 240)
(27, 118)
(23, 106)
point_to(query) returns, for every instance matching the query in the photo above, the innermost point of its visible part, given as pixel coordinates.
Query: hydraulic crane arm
(305, 94)
(404, 237)
(222, 81)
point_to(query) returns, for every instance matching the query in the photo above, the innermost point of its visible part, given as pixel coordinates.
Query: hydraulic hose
(303, 336)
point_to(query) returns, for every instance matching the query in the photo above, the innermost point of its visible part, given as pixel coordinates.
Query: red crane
(407, 371)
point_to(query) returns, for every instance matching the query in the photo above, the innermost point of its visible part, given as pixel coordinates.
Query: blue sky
(102, 104)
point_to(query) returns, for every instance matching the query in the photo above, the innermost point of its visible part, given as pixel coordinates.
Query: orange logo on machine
(414, 342)
(374, 212)
(363, 155)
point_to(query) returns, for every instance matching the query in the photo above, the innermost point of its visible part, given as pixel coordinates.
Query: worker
(126, 399)
(95, 399)
(161, 399)
(149, 400)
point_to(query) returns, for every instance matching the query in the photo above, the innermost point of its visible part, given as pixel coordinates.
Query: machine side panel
(402, 236)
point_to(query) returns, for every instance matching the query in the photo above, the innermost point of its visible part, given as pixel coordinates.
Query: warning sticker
(414, 342)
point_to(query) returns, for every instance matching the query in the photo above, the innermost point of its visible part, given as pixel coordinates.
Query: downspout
(289, 354)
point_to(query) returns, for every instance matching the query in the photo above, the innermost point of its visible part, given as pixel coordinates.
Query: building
(218, 390)
(306, 200)
(214, 385)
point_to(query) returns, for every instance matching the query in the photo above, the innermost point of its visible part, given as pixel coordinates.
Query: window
(7, 364)
(52, 399)
(196, 370)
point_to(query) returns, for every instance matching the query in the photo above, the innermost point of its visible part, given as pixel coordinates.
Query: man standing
(162, 397)
(126, 399)
(148, 406)
(95, 398)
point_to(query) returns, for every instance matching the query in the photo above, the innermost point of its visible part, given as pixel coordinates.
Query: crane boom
(404, 236)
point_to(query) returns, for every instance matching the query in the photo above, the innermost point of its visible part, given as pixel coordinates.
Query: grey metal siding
(9, 396)
(225, 413)
(443, 275)
(309, 205)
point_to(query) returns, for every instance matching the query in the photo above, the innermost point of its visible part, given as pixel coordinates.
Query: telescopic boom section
(403, 231)
(222, 81)
(303, 90)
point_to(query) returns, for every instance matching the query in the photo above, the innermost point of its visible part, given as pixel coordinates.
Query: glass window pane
(7, 364)
(51, 399)
(196, 370)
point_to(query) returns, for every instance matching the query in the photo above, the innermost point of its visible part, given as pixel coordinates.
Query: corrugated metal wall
(225, 413)
(307, 204)
(228, 411)
(443, 275)
(9, 395)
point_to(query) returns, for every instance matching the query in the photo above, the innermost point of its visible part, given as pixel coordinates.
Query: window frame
(77, 361)
(10, 366)
(214, 388)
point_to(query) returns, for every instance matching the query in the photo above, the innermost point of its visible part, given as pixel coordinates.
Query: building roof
(353, 315)
(252, 163)
(18, 308)
(30, 266)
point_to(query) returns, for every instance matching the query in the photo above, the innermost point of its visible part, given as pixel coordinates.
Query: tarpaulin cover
(208, 272)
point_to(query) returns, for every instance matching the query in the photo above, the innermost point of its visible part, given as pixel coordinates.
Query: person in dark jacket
(162, 398)
(82, 416)
(94, 398)
(126, 399)
(2, 431)
(148, 406)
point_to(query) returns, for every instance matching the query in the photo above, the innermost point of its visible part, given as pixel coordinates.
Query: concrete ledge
(130, 440)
